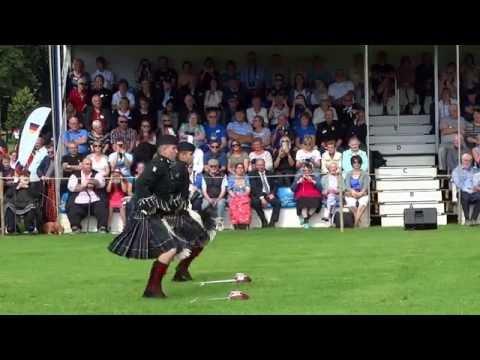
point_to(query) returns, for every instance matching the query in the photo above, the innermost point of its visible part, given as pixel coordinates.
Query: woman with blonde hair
(308, 152)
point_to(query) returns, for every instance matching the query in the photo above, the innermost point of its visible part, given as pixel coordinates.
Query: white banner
(30, 133)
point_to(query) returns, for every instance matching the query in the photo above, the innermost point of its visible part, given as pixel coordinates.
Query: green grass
(294, 271)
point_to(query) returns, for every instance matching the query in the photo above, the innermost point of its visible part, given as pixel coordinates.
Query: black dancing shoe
(181, 276)
(154, 294)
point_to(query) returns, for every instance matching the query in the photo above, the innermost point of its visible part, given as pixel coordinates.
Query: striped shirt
(129, 137)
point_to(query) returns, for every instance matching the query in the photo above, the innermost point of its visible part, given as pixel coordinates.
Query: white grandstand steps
(401, 171)
(417, 160)
(412, 184)
(397, 220)
(402, 139)
(404, 149)
(402, 130)
(389, 120)
(409, 196)
(397, 208)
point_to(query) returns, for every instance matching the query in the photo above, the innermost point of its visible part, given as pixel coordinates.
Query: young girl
(117, 190)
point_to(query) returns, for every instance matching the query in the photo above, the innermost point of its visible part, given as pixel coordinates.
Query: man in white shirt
(108, 76)
(260, 153)
(340, 87)
(85, 198)
(256, 109)
(123, 92)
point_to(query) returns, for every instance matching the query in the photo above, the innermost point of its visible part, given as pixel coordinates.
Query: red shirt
(306, 189)
(78, 100)
(97, 115)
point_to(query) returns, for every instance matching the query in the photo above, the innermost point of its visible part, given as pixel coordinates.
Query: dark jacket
(256, 186)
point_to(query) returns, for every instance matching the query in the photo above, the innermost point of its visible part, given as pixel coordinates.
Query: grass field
(294, 271)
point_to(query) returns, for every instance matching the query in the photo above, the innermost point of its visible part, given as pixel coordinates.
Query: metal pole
(459, 197)
(367, 117)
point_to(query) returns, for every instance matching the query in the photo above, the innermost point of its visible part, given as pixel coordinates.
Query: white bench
(417, 160)
(402, 139)
(403, 149)
(379, 130)
(385, 120)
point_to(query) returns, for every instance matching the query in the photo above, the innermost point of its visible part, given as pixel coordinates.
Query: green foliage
(23, 103)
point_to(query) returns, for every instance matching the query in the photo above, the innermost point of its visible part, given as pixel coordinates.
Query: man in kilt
(161, 226)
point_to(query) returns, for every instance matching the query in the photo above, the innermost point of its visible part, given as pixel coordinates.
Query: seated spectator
(165, 93)
(215, 131)
(406, 85)
(259, 152)
(77, 136)
(194, 90)
(208, 73)
(233, 105)
(146, 134)
(300, 88)
(165, 126)
(345, 110)
(70, 164)
(331, 190)
(144, 71)
(357, 184)
(354, 150)
(340, 87)
(448, 79)
(444, 104)
(214, 189)
(319, 71)
(189, 107)
(356, 74)
(7, 170)
(120, 158)
(122, 93)
(78, 72)
(213, 96)
(164, 71)
(172, 114)
(452, 153)
(86, 198)
(237, 156)
(124, 134)
(239, 198)
(143, 113)
(279, 88)
(469, 73)
(472, 130)
(380, 73)
(256, 110)
(448, 129)
(186, 74)
(240, 130)
(284, 163)
(463, 177)
(215, 152)
(79, 96)
(98, 135)
(20, 202)
(319, 94)
(471, 101)
(230, 73)
(305, 128)
(308, 196)
(282, 129)
(124, 110)
(298, 109)
(97, 113)
(99, 159)
(263, 190)
(104, 93)
(329, 130)
(424, 79)
(235, 90)
(260, 131)
(192, 131)
(308, 152)
(276, 69)
(279, 108)
(253, 75)
(331, 156)
(147, 93)
(358, 128)
(319, 113)
(117, 190)
(71, 112)
(107, 75)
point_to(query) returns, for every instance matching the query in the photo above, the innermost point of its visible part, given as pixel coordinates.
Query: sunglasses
(95, 146)
(122, 122)
(214, 166)
(235, 145)
(82, 83)
(214, 146)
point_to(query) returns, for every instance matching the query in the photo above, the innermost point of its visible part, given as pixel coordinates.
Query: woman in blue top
(357, 183)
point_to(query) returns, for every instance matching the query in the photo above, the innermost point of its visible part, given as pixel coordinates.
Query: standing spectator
(424, 79)
(117, 190)
(319, 113)
(329, 130)
(122, 93)
(308, 153)
(215, 152)
(319, 93)
(259, 152)
(358, 128)
(340, 87)
(208, 73)
(99, 113)
(213, 96)
(97, 134)
(102, 70)
(237, 156)
(305, 128)
(260, 131)
(46, 173)
(463, 178)
(282, 129)
(144, 71)
(357, 183)
(147, 93)
(320, 72)
(253, 76)
(86, 198)
(77, 136)
(471, 101)
(331, 156)
(165, 126)
(230, 72)
(300, 88)
(99, 159)
(194, 130)
(354, 150)
(78, 72)
(284, 163)
(215, 131)
(256, 110)
(143, 113)
(331, 189)
(164, 71)
(189, 107)
(308, 196)
(70, 164)
(240, 130)
(165, 93)
(100, 90)
(239, 198)
(263, 189)
(124, 134)
(214, 189)
(186, 75)
(79, 96)
(120, 159)
(448, 129)
(171, 112)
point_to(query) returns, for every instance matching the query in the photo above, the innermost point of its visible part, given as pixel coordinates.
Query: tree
(23, 103)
